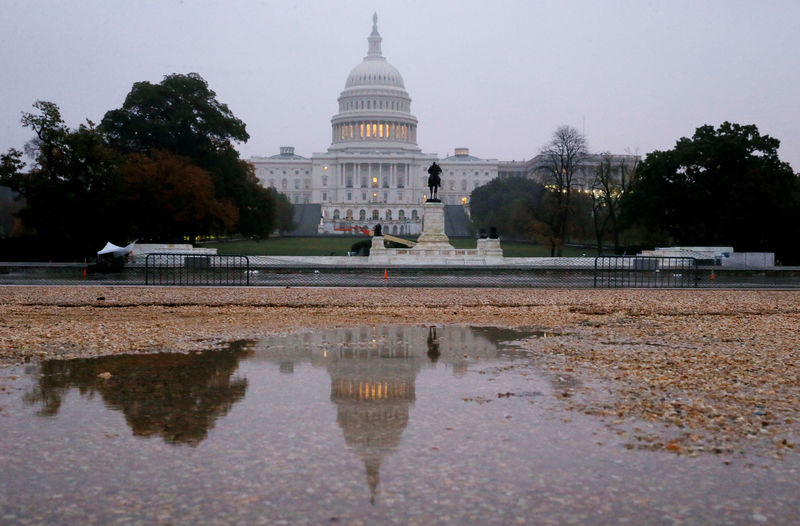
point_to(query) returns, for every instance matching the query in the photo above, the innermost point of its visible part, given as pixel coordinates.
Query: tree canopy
(724, 186)
(162, 167)
(181, 115)
(72, 188)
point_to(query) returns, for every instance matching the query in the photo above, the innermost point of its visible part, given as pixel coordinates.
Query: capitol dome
(374, 107)
(375, 71)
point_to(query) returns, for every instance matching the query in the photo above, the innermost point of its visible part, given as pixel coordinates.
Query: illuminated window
(349, 215)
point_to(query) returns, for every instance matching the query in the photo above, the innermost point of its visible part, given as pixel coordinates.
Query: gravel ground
(686, 371)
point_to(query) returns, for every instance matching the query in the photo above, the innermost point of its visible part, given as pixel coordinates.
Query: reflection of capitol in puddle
(373, 372)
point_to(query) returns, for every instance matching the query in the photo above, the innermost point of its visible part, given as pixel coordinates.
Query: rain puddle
(389, 424)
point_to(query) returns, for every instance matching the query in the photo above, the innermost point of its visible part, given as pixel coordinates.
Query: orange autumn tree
(170, 198)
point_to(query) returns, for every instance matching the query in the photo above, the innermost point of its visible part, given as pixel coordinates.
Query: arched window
(388, 215)
(336, 214)
(414, 214)
(394, 229)
(362, 214)
(348, 215)
(376, 215)
(401, 215)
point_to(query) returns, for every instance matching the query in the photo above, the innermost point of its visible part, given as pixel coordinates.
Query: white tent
(113, 249)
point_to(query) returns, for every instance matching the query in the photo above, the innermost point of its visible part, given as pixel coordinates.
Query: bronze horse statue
(434, 181)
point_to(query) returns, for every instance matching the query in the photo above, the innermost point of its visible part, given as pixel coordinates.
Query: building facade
(374, 172)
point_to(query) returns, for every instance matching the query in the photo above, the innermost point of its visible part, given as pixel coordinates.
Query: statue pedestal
(377, 252)
(433, 246)
(433, 236)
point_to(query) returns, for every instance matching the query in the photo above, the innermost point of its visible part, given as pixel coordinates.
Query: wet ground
(388, 424)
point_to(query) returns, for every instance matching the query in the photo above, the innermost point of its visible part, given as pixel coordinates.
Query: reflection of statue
(434, 181)
(433, 344)
(176, 396)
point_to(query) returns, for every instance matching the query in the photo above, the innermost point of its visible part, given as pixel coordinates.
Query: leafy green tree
(72, 190)
(284, 211)
(724, 186)
(181, 115)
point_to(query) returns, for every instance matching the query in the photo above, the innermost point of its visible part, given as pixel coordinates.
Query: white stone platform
(434, 248)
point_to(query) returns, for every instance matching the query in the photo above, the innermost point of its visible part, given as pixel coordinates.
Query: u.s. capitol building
(374, 171)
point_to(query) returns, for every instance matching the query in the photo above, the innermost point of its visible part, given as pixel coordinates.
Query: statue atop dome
(374, 39)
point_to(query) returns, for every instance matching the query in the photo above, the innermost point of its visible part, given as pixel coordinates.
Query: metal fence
(180, 269)
(576, 273)
(645, 272)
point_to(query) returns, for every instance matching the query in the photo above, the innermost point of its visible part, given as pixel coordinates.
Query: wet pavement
(389, 424)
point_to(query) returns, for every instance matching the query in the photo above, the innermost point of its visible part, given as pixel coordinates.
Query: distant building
(374, 171)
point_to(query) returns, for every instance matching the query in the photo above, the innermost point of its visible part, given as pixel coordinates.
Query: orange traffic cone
(712, 275)
(385, 273)
(84, 273)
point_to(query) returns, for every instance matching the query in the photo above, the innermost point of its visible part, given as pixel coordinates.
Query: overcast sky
(495, 76)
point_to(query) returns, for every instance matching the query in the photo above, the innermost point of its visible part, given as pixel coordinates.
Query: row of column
(356, 172)
(374, 130)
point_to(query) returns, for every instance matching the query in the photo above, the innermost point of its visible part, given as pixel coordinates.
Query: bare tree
(561, 159)
(613, 178)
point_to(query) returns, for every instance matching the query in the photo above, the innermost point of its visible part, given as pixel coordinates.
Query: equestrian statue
(434, 182)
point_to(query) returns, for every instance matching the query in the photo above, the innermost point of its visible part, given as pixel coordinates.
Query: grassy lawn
(339, 246)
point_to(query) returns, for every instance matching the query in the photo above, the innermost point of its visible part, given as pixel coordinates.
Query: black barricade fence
(191, 270)
(576, 273)
(644, 272)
